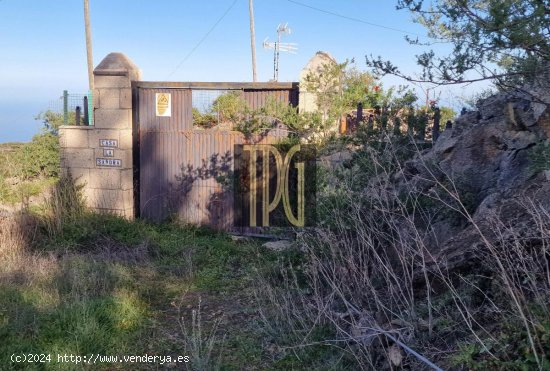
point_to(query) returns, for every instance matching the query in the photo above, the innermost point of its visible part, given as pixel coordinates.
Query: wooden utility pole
(89, 45)
(252, 40)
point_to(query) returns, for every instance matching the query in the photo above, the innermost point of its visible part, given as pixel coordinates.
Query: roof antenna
(278, 46)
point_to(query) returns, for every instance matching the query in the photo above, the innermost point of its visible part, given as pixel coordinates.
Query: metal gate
(185, 171)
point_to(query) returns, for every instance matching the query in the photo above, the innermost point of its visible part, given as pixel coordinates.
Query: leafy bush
(231, 107)
(40, 157)
(205, 120)
(53, 120)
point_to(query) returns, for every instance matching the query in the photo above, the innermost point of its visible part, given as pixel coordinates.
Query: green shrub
(40, 157)
(230, 106)
(204, 120)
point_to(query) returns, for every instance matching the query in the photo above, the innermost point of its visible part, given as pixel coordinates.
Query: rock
(280, 245)
(486, 155)
(441, 232)
(395, 355)
(13, 181)
(236, 238)
(337, 158)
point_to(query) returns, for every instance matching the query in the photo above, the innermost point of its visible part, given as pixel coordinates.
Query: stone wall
(100, 156)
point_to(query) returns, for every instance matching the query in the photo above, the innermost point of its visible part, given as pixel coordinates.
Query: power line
(352, 18)
(202, 39)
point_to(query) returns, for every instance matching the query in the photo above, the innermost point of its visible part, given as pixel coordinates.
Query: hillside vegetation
(429, 252)
(421, 257)
(76, 283)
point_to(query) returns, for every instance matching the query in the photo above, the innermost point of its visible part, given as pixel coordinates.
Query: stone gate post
(99, 157)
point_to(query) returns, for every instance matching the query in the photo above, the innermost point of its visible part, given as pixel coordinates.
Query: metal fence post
(77, 116)
(90, 121)
(65, 107)
(85, 105)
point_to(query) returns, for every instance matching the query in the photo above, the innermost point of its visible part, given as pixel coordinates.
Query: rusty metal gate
(183, 170)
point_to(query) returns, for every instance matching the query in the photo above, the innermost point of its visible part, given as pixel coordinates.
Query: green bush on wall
(40, 157)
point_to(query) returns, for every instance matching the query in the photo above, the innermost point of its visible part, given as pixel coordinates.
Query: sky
(43, 50)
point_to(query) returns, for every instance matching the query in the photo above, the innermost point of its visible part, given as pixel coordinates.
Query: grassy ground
(112, 287)
(82, 284)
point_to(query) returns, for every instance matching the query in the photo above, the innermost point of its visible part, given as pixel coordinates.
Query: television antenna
(278, 46)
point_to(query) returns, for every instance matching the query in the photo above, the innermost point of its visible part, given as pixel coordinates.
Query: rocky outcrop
(488, 157)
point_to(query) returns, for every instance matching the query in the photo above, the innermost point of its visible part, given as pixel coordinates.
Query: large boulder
(487, 156)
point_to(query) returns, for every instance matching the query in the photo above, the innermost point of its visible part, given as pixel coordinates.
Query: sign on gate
(163, 104)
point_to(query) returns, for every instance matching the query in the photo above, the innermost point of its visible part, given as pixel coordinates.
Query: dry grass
(81, 283)
(16, 235)
(374, 280)
(65, 204)
(64, 300)
(200, 339)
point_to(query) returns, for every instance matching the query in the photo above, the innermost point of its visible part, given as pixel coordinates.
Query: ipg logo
(274, 185)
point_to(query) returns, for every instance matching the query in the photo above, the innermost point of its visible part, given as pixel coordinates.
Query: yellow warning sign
(164, 104)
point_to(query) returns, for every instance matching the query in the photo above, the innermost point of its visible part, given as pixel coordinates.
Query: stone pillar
(100, 157)
(315, 66)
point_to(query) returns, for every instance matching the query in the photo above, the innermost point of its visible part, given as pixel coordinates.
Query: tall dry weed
(391, 297)
(66, 204)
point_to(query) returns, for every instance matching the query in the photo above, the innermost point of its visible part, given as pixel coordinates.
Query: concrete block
(81, 176)
(125, 98)
(129, 214)
(126, 140)
(109, 98)
(73, 137)
(77, 158)
(104, 178)
(109, 199)
(113, 118)
(308, 102)
(96, 134)
(96, 98)
(128, 195)
(127, 179)
(127, 160)
(101, 81)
